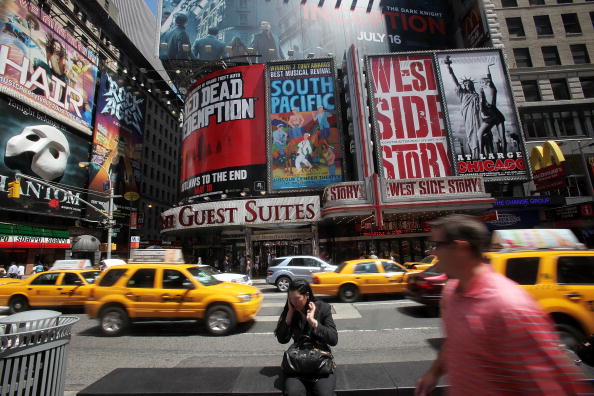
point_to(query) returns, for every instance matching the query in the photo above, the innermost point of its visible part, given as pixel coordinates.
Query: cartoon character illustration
(303, 150)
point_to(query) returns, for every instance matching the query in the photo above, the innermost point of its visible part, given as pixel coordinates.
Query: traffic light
(14, 189)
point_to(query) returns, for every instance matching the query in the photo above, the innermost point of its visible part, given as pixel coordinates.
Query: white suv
(286, 269)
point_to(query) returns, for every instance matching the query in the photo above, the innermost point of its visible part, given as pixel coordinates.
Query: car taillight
(316, 280)
(269, 272)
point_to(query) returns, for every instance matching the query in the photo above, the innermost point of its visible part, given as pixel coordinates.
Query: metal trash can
(33, 352)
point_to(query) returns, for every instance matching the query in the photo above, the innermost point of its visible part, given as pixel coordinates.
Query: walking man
(13, 270)
(498, 341)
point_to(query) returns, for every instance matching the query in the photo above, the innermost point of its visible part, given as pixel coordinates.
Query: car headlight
(245, 297)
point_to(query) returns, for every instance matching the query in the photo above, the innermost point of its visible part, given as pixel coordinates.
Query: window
(550, 56)
(391, 267)
(509, 3)
(564, 1)
(522, 57)
(543, 25)
(515, 27)
(46, 279)
(90, 276)
(571, 23)
(523, 270)
(143, 278)
(560, 89)
(173, 279)
(366, 268)
(71, 279)
(531, 92)
(309, 262)
(112, 276)
(592, 18)
(576, 270)
(587, 86)
(536, 2)
(579, 53)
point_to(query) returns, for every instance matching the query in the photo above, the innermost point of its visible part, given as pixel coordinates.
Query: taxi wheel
(18, 304)
(282, 283)
(570, 336)
(220, 320)
(114, 321)
(348, 293)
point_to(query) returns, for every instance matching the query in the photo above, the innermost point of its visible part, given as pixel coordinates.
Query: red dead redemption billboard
(224, 133)
(485, 134)
(408, 117)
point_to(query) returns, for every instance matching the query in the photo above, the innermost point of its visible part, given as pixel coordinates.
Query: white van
(74, 264)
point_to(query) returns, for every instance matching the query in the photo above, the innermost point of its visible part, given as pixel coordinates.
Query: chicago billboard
(276, 30)
(117, 144)
(224, 133)
(485, 134)
(44, 66)
(305, 144)
(31, 143)
(408, 116)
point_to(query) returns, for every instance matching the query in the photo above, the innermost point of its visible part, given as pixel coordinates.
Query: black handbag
(306, 358)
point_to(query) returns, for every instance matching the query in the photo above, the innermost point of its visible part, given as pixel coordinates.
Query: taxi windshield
(90, 276)
(210, 270)
(203, 276)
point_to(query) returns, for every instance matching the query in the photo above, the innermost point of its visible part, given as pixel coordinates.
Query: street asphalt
(384, 328)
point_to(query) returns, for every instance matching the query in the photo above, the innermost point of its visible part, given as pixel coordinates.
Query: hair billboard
(31, 143)
(407, 112)
(208, 30)
(44, 66)
(485, 134)
(305, 144)
(224, 133)
(117, 144)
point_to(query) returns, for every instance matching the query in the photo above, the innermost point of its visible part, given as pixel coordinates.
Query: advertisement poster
(474, 31)
(407, 111)
(117, 145)
(305, 143)
(46, 67)
(224, 133)
(292, 30)
(31, 143)
(486, 138)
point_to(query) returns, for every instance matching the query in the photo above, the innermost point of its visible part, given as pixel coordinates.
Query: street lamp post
(109, 205)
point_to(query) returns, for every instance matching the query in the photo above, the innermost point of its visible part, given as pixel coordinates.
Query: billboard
(408, 116)
(305, 144)
(485, 134)
(31, 143)
(224, 133)
(44, 66)
(117, 144)
(278, 30)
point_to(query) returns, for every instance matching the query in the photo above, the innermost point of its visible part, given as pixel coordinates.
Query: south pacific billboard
(312, 28)
(44, 66)
(117, 145)
(33, 144)
(409, 122)
(485, 133)
(224, 133)
(305, 144)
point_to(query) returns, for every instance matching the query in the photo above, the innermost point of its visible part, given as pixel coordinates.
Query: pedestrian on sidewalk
(304, 315)
(498, 340)
(13, 270)
(248, 267)
(21, 271)
(242, 265)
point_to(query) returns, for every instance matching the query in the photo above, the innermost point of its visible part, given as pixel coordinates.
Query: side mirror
(188, 285)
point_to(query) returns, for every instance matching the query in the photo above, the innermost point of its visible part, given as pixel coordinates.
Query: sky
(153, 5)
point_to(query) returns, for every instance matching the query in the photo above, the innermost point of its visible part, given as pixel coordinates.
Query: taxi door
(72, 289)
(394, 277)
(143, 297)
(180, 296)
(41, 291)
(368, 277)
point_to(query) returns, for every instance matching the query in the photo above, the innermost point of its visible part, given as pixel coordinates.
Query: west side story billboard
(44, 66)
(305, 144)
(445, 113)
(279, 29)
(224, 133)
(117, 145)
(31, 143)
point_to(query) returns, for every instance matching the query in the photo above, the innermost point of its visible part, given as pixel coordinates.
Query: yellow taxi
(422, 265)
(561, 281)
(135, 292)
(365, 276)
(48, 289)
